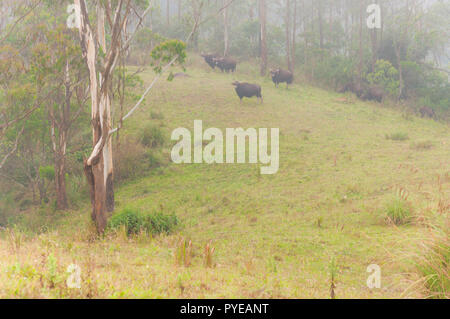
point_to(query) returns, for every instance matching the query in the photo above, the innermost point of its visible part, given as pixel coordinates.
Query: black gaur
(373, 93)
(282, 76)
(209, 58)
(226, 64)
(355, 87)
(426, 111)
(248, 90)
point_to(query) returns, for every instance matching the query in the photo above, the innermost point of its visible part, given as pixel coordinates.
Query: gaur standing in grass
(282, 76)
(248, 90)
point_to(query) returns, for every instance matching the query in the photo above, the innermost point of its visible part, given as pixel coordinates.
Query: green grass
(399, 136)
(136, 222)
(273, 236)
(399, 211)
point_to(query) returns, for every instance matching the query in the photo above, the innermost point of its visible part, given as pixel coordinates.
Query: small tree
(384, 75)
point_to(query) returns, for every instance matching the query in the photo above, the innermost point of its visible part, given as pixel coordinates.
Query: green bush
(399, 136)
(135, 222)
(155, 159)
(47, 172)
(152, 136)
(399, 211)
(384, 75)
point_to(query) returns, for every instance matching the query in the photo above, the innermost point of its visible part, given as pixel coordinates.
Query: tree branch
(14, 149)
(18, 21)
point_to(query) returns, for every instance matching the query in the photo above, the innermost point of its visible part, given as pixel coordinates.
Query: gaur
(209, 58)
(248, 90)
(226, 64)
(282, 76)
(427, 112)
(356, 88)
(373, 93)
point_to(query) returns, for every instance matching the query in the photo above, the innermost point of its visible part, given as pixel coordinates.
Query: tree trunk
(288, 35)
(374, 40)
(225, 29)
(168, 12)
(263, 23)
(320, 23)
(400, 69)
(60, 182)
(294, 37)
(360, 54)
(98, 167)
(59, 143)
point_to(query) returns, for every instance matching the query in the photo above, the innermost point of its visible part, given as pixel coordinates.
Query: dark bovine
(282, 76)
(226, 64)
(354, 87)
(248, 90)
(209, 58)
(364, 91)
(426, 111)
(373, 93)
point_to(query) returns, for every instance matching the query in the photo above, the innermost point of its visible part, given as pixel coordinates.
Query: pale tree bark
(263, 32)
(374, 41)
(294, 37)
(59, 143)
(360, 50)
(225, 29)
(288, 35)
(320, 16)
(168, 12)
(98, 167)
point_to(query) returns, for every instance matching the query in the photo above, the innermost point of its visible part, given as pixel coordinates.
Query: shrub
(399, 136)
(129, 159)
(156, 115)
(384, 75)
(422, 145)
(47, 172)
(398, 211)
(155, 159)
(434, 266)
(77, 188)
(135, 222)
(152, 136)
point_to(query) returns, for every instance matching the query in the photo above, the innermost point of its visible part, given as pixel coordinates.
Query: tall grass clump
(130, 159)
(398, 211)
(136, 222)
(433, 265)
(183, 253)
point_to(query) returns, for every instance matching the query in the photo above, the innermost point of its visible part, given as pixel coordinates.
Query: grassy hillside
(342, 164)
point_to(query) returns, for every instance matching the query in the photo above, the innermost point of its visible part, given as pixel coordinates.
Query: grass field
(342, 163)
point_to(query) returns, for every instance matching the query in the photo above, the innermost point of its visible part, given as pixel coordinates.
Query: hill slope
(274, 236)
